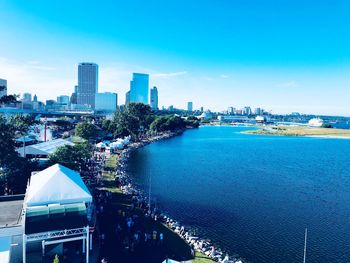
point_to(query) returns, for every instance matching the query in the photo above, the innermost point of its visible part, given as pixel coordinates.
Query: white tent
(44, 148)
(116, 145)
(56, 185)
(170, 261)
(101, 145)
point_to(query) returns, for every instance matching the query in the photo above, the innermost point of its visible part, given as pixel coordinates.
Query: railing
(56, 234)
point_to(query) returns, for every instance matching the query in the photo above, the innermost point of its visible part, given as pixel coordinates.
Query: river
(254, 195)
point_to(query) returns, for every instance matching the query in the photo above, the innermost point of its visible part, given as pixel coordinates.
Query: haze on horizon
(283, 56)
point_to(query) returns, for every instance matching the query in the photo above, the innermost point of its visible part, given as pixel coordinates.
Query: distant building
(260, 119)
(171, 108)
(202, 109)
(247, 111)
(27, 97)
(35, 98)
(127, 97)
(315, 122)
(139, 88)
(63, 99)
(231, 110)
(257, 111)
(73, 97)
(154, 98)
(3, 83)
(63, 102)
(50, 105)
(229, 118)
(106, 102)
(190, 106)
(87, 84)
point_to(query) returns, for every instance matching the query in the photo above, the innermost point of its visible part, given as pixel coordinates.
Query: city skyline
(250, 54)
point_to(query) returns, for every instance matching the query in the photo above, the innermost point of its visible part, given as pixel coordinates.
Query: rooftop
(11, 210)
(44, 148)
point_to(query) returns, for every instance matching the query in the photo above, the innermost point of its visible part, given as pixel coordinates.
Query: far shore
(304, 131)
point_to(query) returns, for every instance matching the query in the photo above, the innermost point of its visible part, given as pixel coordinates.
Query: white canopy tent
(116, 145)
(56, 185)
(101, 145)
(170, 261)
(43, 149)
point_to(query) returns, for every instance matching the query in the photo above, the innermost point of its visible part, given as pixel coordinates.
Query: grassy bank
(174, 247)
(302, 131)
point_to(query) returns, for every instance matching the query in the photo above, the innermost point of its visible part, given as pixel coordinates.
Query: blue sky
(281, 55)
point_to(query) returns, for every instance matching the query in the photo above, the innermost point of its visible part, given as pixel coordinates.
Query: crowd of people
(129, 232)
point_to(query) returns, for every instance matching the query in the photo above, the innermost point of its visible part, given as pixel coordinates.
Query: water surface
(254, 195)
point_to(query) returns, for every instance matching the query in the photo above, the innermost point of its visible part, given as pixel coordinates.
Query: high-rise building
(190, 106)
(247, 111)
(87, 84)
(139, 88)
(27, 97)
(3, 89)
(202, 109)
(127, 97)
(257, 111)
(154, 98)
(73, 97)
(35, 98)
(231, 110)
(106, 102)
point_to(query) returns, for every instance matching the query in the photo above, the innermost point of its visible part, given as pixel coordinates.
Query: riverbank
(301, 131)
(204, 249)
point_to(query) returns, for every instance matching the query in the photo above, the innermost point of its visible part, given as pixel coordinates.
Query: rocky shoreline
(127, 186)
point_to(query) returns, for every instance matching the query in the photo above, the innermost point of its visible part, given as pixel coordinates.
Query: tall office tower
(27, 97)
(190, 106)
(3, 85)
(257, 111)
(154, 98)
(127, 97)
(73, 97)
(35, 98)
(247, 111)
(87, 84)
(202, 109)
(139, 88)
(231, 110)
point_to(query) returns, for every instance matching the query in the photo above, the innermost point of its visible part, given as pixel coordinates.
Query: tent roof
(44, 148)
(56, 185)
(101, 145)
(170, 261)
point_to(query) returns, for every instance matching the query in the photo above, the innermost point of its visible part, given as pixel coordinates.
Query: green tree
(72, 156)
(168, 123)
(14, 170)
(86, 130)
(56, 259)
(134, 120)
(7, 99)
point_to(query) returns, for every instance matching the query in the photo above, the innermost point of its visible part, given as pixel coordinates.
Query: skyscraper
(154, 98)
(27, 97)
(87, 84)
(127, 97)
(73, 97)
(190, 106)
(139, 88)
(3, 83)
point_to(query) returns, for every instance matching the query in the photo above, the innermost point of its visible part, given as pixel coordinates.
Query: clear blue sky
(282, 55)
